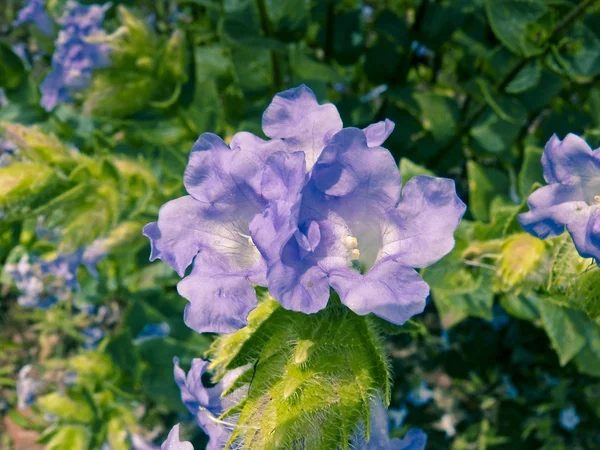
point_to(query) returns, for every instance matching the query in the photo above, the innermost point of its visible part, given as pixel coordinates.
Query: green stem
(573, 15)
(268, 31)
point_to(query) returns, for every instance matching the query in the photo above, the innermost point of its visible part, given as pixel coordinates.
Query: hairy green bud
(311, 377)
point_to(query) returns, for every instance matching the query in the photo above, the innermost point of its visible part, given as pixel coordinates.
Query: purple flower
(206, 404)
(35, 12)
(228, 186)
(420, 396)
(351, 230)
(571, 198)
(92, 335)
(42, 283)
(569, 419)
(379, 439)
(28, 387)
(153, 331)
(74, 58)
(173, 442)
(314, 207)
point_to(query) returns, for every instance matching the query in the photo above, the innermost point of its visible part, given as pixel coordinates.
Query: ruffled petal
(378, 132)
(349, 166)
(296, 117)
(298, 284)
(571, 157)
(173, 442)
(283, 176)
(415, 439)
(584, 228)
(552, 207)
(220, 297)
(186, 226)
(421, 229)
(389, 290)
(221, 177)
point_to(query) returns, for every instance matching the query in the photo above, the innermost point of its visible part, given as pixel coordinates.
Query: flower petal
(220, 296)
(296, 117)
(348, 165)
(422, 226)
(552, 207)
(389, 290)
(377, 133)
(186, 226)
(173, 442)
(570, 157)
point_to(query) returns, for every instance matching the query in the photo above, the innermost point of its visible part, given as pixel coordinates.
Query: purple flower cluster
(35, 12)
(317, 206)
(572, 197)
(42, 283)
(75, 58)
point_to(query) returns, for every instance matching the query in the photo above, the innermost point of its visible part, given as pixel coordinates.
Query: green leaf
(409, 169)
(23, 186)
(69, 437)
(440, 115)
(563, 329)
(288, 404)
(579, 53)
(12, 70)
(527, 78)
(289, 18)
(524, 307)
(73, 407)
(531, 170)
(454, 308)
(484, 185)
(515, 23)
(124, 354)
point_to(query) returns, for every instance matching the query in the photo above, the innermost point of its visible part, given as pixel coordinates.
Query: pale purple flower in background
(421, 395)
(571, 199)
(397, 416)
(28, 387)
(173, 442)
(447, 424)
(379, 439)
(35, 12)
(42, 283)
(569, 419)
(153, 331)
(92, 335)
(139, 443)
(374, 93)
(74, 58)
(207, 404)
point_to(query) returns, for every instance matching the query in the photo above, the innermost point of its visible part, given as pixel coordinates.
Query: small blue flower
(571, 198)
(421, 395)
(569, 419)
(93, 335)
(35, 12)
(397, 416)
(374, 93)
(153, 331)
(28, 387)
(74, 58)
(379, 439)
(70, 378)
(42, 283)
